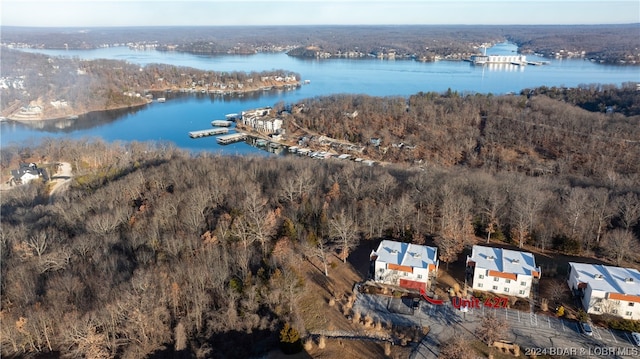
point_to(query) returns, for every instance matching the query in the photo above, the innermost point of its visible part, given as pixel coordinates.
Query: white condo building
(404, 264)
(502, 271)
(606, 289)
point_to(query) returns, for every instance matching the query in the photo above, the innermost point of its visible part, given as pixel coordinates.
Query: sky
(89, 13)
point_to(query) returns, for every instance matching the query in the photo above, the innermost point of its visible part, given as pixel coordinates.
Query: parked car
(586, 328)
(635, 338)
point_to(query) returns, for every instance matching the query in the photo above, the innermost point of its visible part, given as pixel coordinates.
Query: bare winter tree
(527, 204)
(261, 220)
(491, 328)
(318, 247)
(344, 228)
(456, 229)
(620, 244)
(494, 201)
(456, 348)
(629, 209)
(602, 210)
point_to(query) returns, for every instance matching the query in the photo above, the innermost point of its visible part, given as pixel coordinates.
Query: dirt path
(60, 180)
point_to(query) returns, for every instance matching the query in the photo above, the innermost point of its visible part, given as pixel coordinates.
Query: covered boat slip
(221, 123)
(234, 137)
(209, 132)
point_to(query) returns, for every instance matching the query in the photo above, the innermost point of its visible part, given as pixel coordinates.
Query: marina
(210, 132)
(234, 137)
(498, 59)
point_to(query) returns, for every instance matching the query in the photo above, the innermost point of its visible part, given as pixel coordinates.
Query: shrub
(624, 324)
(322, 342)
(290, 341)
(544, 305)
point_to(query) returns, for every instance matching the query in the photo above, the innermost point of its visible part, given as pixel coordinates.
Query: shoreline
(75, 114)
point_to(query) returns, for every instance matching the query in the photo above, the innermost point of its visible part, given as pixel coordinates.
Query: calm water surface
(172, 120)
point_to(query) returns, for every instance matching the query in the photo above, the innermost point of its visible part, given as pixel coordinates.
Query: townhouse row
(601, 289)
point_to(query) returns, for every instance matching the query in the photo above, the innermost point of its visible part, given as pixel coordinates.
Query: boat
(161, 99)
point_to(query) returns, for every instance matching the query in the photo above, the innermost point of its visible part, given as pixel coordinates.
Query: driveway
(60, 180)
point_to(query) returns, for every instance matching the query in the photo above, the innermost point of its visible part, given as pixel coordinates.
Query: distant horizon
(315, 25)
(198, 13)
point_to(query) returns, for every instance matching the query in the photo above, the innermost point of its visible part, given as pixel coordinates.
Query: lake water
(172, 120)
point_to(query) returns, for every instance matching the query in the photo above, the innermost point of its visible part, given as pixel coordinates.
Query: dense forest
(602, 43)
(153, 251)
(590, 131)
(96, 85)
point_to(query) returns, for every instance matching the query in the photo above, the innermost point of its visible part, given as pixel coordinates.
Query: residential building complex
(502, 271)
(606, 289)
(404, 264)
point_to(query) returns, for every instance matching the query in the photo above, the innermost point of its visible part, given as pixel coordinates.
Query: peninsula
(38, 87)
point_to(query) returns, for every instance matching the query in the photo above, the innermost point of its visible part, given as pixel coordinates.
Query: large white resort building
(604, 289)
(404, 264)
(502, 271)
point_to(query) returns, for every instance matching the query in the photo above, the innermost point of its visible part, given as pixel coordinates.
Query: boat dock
(221, 123)
(234, 137)
(210, 132)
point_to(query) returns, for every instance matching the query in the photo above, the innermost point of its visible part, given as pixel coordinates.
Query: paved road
(541, 333)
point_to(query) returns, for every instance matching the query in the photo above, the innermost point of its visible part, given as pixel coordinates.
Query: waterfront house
(502, 271)
(26, 173)
(604, 289)
(404, 264)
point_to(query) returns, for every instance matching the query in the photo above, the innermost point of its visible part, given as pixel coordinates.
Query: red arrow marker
(429, 299)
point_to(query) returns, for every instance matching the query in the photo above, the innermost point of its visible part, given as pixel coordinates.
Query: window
(596, 309)
(481, 276)
(628, 314)
(479, 285)
(506, 290)
(495, 279)
(524, 284)
(615, 311)
(631, 304)
(521, 292)
(495, 287)
(507, 281)
(419, 276)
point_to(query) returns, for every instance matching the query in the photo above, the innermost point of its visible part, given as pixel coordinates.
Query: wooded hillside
(98, 85)
(155, 251)
(589, 131)
(602, 43)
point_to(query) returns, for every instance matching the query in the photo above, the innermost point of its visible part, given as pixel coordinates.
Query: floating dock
(221, 123)
(209, 132)
(234, 137)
